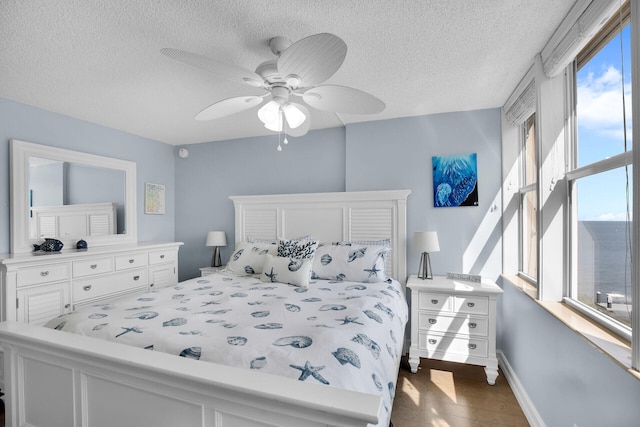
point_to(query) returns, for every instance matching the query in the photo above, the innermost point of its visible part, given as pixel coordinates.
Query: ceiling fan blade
(304, 127)
(342, 99)
(228, 106)
(313, 59)
(227, 71)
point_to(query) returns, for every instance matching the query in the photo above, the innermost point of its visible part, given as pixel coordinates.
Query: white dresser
(36, 287)
(454, 320)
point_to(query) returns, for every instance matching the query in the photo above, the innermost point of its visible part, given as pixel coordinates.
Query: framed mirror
(69, 195)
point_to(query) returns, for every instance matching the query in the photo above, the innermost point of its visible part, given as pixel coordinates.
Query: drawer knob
(432, 341)
(434, 301)
(433, 321)
(472, 325)
(472, 346)
(44, 273)
(67, 305)
(86, 288)
(136, 277)
(162, 256)
(471, 304)
(93, 266)
(131, 261)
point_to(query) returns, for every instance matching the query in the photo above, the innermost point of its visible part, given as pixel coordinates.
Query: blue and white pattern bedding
(343, 334)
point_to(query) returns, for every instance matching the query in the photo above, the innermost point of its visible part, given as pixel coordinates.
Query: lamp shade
(216, 238)
(426, 241)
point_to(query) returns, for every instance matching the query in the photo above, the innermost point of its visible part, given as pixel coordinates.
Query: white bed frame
(55, 379)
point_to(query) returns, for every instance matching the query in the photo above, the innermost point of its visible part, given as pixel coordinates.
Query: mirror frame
(20, 151)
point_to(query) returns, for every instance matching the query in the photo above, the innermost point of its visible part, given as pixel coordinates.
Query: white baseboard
(521, 395)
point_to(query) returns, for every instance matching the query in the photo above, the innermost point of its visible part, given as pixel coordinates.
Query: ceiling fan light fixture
(295, 117)
(269, 112)
(275, 125)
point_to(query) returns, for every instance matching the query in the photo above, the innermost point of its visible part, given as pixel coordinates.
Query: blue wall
(569, 381)
(155, 160)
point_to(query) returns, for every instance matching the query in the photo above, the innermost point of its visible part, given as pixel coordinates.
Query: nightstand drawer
(134, 260)
(159, 257)
(436, 302)
(111, 284)
(442, 345)
(471, 305)
(43, 274)
(92, 266)
(476, 326)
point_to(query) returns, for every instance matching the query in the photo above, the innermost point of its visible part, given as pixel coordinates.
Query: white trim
(522, 102)
(583, 21)
(613, 162)
(606, 321)
(520, 393)
(635, 99)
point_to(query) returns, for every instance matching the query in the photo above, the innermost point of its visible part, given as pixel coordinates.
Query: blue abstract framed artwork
(455, 180)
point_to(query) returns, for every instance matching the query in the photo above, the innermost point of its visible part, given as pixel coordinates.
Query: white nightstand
(454, 320)
(205, 271)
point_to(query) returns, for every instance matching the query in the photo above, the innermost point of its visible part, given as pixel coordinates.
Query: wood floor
(444, 394)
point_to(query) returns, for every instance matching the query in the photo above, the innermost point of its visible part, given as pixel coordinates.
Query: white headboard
(329, 217)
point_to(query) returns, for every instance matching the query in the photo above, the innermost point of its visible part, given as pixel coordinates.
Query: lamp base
(216, 260)
(424, 271)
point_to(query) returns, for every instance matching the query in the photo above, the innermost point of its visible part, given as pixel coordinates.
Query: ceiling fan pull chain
(284, 127)
(279, 146)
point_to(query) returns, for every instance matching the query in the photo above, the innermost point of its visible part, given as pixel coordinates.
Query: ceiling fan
(292, 82)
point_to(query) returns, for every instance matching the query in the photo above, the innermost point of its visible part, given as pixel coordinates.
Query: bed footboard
(52, 378)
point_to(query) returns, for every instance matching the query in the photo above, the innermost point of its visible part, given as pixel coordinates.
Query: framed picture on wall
(153, 198)
(455, 180)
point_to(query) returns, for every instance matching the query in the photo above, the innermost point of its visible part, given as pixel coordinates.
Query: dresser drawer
(133, 260)
(97, 287)
(478, 326)
(471, 304)
(433, 301)
(43, 274)
(159, 257)
(92, 266)
(441, 346)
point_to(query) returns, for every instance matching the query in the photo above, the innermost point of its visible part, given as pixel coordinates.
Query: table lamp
(216, 239)
(425, 242)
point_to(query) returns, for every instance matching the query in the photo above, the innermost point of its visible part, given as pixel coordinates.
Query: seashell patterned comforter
(343, 334)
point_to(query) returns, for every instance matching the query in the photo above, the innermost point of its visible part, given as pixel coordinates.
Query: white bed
(53, 378)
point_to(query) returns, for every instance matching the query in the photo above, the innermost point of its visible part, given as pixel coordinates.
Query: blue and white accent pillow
(301, 249)
(350, 262)
(292, 271)
(249, 258)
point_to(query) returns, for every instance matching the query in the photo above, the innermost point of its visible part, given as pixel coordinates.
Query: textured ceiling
(100, 60)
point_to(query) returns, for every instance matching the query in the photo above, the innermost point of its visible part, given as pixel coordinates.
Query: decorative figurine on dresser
(454, 320)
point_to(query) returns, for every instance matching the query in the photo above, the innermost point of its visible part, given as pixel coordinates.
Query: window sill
(610, 344)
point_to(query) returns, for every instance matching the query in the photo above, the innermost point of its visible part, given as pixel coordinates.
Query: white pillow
(249, 258)
(252, 239)
(383, 242)
(353, 263)
(292, 271)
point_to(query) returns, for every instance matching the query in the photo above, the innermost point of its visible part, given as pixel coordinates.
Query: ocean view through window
(601, 177)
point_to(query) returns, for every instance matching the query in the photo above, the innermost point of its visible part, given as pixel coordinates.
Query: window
(529, 203)
(600, 178)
